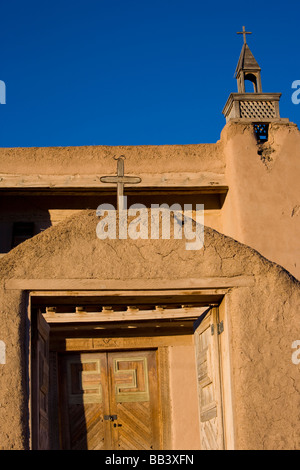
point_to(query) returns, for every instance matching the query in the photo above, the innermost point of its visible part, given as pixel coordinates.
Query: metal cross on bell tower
(120, 179)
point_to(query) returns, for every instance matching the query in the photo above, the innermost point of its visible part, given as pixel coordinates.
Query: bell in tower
(254, 106)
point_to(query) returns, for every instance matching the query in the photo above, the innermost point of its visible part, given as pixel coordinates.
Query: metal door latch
(110, 417)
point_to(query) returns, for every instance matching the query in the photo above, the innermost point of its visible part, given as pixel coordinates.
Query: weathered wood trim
(67, 344)
(218, 374)
(128, 293)
(129, 285)
(154, 180)
(121, 316)
(164, 388)
(229, 407)
(53, 401)
(208, 373)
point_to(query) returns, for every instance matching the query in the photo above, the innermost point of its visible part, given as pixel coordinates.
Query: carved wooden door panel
(209, 383)
(109, 401)
(84, 402)
(134, 400)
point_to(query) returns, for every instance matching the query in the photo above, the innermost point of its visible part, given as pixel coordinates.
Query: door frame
(204, 293)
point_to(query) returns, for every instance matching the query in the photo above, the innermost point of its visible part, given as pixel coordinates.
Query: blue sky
(128, 72)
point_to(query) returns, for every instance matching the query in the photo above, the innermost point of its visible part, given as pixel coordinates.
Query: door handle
(117, 425)
(110, 417)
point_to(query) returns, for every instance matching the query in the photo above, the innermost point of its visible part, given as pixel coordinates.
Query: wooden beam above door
(131, 314)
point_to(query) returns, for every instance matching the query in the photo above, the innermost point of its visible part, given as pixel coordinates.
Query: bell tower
(247, 68)
(252, 106)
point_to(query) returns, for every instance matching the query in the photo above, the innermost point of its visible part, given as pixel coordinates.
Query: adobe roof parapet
(235, 127)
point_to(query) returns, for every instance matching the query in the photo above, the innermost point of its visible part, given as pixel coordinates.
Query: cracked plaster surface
(263, 318)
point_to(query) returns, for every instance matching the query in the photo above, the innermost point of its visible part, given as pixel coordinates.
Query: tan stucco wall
(184, 398)
(93, 160)
(262, 208)
(263, 319)
(265, 380)
(13, 384)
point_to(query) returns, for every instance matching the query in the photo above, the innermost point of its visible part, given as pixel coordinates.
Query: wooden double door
(109, 401)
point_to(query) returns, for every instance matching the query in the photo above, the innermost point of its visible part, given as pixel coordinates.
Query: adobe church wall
(13, 381)
(262, 208)
(265, 323)
(47, 210)
(262, 317)
(96, 161)
(92, 160)
(72, 247)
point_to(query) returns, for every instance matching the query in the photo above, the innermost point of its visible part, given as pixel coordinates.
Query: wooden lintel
(98, 317)
(156, 180)
(111, 343)
(129, 293)
(135, 285)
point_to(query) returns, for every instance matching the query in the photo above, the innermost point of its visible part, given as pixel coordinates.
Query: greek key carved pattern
(84, 386)
(132, 384)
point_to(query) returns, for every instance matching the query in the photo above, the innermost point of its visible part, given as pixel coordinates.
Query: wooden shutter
(40, 396)
(209, 383)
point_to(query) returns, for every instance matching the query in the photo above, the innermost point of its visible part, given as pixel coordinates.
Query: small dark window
(261, 132)
(21, 232)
